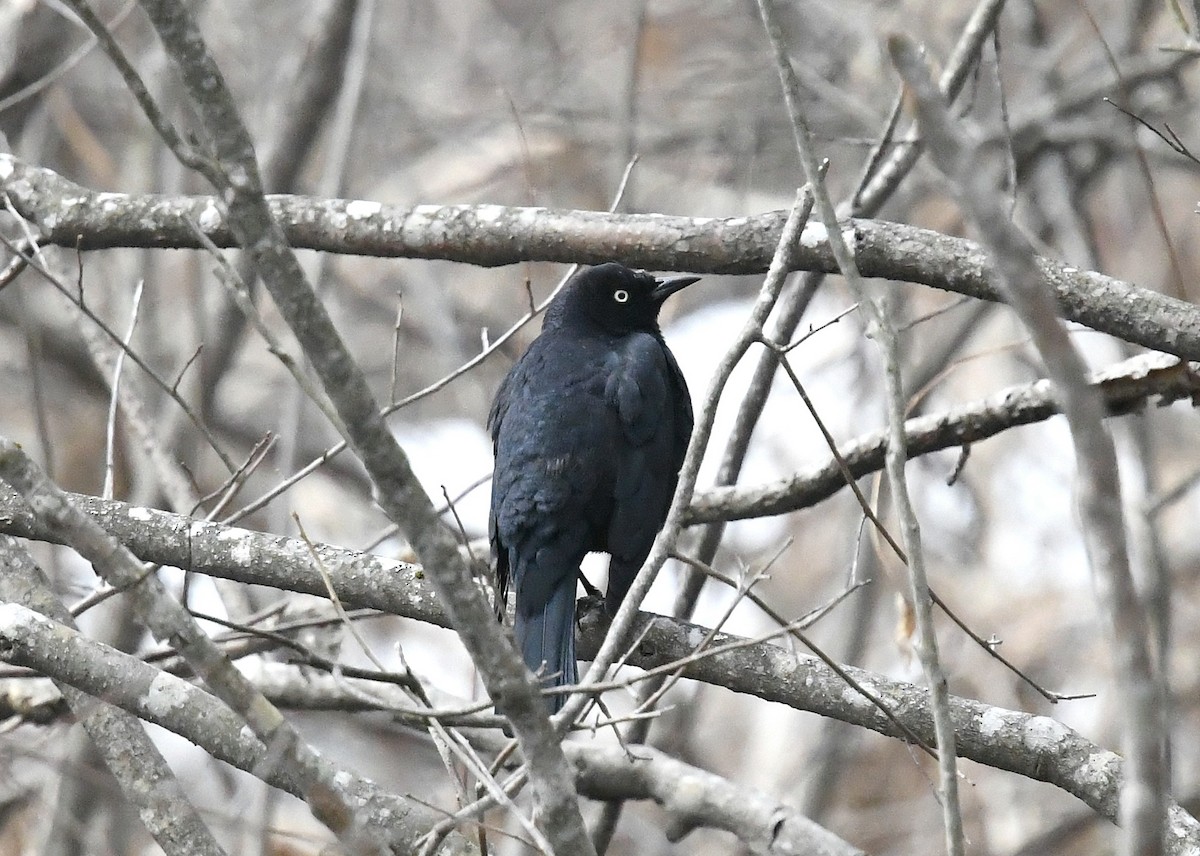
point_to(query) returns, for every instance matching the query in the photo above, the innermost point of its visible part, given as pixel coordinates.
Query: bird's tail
(547, 640)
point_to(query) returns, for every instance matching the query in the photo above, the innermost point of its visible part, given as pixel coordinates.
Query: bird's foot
(591, 609)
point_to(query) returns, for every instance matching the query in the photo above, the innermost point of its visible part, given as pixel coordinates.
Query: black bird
(589, 431)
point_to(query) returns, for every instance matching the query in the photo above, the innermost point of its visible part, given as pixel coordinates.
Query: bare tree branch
(1016, 273)
(137, 765)
(316, 77)
(490, 235)
(401, 588)
(1125, 388)
(30, 639)
(449, 117)
(233, 171)
(963, 60)
(875, 308)
(692, 798)
(1036, 747)
(167, 620)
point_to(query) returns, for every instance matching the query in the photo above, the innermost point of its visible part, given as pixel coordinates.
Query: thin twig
(110, 432)
(315, 557)
(77, 298)
(1178, 280)
(187, 153)
(53, 75)
(1166, 134)
(239, 293)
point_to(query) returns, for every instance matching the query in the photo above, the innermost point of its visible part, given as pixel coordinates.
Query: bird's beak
(664, 288)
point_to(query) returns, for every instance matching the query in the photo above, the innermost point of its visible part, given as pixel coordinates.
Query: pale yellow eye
(621, 295)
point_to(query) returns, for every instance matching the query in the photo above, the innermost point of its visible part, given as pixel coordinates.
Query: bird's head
(615, 298)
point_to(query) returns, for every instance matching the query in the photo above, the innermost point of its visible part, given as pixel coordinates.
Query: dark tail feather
(547, 641)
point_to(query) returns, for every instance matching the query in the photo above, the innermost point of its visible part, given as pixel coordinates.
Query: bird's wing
(501, 401)
(553, 442)
(651, 399)
(648, 392)
(495, 421)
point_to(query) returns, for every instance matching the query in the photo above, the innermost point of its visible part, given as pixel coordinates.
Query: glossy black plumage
(589, 430)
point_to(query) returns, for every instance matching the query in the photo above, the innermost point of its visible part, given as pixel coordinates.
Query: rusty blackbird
(589, 430)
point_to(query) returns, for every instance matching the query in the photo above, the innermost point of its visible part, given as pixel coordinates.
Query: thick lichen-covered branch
(490, 235)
